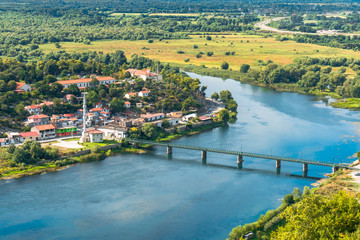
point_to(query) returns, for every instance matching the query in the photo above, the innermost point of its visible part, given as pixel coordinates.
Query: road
(264, 27)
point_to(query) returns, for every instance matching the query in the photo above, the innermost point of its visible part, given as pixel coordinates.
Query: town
(100, 121)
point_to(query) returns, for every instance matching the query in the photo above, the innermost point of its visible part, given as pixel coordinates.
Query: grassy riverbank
(275, 223)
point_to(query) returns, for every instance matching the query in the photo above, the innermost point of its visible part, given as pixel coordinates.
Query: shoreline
(69, 161)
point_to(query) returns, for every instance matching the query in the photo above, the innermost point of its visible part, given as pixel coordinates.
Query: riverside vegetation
(329, 211)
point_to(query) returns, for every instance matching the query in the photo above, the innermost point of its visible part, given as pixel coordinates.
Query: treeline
(312, 73)
(21, 33)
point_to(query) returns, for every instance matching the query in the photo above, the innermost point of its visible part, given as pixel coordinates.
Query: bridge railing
(241, 153)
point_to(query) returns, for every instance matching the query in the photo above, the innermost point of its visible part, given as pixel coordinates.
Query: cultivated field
(248, 49)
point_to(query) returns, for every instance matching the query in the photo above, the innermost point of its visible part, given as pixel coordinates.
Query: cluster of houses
(100, 123)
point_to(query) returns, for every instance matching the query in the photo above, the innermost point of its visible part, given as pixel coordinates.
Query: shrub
(180, 52)
(187, 60)
(198, 55)
(227, 53)
(150, 41)
(224, 66)
(209, 54)
(208, 38)
(196, 46)
(92, 157)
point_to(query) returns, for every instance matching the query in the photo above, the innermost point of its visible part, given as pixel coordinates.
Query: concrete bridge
(240, 156)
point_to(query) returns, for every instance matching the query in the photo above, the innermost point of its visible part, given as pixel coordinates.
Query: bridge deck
(245, 154)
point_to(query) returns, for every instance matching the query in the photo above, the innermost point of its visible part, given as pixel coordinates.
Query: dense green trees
(31, 152)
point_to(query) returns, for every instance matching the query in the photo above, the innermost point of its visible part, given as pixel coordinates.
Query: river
(148, 196)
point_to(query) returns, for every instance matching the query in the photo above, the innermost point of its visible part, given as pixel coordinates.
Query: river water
(150, 196)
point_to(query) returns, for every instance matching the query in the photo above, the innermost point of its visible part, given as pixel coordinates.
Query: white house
(85, 82)
(127, 104)
(145, 74)
(95, 135)
(143, 93)
(32, 136)
(114, 133)
(45, 131)
(130, 95)
(189, 117)
(152, 117)
(39, 119)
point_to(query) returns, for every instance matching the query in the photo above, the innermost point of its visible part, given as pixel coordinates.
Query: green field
(248, 49)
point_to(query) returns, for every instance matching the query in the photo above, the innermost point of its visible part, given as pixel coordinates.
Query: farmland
(247, 49)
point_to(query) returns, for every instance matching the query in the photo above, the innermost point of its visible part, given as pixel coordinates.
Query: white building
(22, 87)
(152, 117)
(189, 117)
(96, 136)
(114, 133)
(85, 82)
(145, 74)
(143, 93)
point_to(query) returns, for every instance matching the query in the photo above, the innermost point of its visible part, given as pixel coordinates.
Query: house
(175, 114)
(189, 117)
(139, 105)
(145, 74)
(85, 82)
(66, 131)
(33, 109)
(96, 110)
(152, 117)
(114, 133)
(4, 142)
(45, 131)
(206, 119)
(32, 136)
(143, 93)
(13, 137)
(127, 104)
(22, 87)
(95, 135)
(173, 121)
(39, 119)
(130, 95)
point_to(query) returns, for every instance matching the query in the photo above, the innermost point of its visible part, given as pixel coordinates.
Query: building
(139, 105)
(145, 74)
(34, 109)
(85, 82)
(68, 97)
(66, 131)
(130, 95)
(189, 117)
(39, 119)
(175, 114)
(114, 133)
(22, 87)
(45, 131)
(206, 119)
(173, 121)
(13, 137)
(4, 142)
(143, 93)
(127, 104)
(32, 136)
(95, 135)
(152, 117)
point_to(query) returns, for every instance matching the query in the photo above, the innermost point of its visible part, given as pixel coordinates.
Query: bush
(180, 52)
(150, 41)
(208, 38)
(209, 54)
(187, 60)
(227, 53)
(196, 46)
(224, 66)
(92, 157)
(198, 55)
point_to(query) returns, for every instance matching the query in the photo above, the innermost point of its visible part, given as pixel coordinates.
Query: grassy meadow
(248, 49)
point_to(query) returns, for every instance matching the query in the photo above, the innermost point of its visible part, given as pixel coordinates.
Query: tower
(84, 135)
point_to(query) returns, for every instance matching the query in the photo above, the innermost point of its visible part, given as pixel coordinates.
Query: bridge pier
(305, 169)
(334, 169)
(169, 150)
(278, 164)
(203, 157)
(240, 162)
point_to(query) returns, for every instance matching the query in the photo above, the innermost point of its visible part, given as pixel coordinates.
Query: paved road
(264, 27)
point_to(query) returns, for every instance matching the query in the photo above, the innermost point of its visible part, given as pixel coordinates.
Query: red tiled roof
(2, 139)
(204, 118)
(94, 132)
(151, 115)
(127, 102)
(132, 94)
(45, 127)
(68, 115)
(33, 107)
(39, 116)
(28, 134)
(84, 80)
(96, 109)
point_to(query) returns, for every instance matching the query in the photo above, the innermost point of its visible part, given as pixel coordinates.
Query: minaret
(84, 136)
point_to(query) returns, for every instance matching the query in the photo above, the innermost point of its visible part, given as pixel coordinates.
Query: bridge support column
(278, 164)
(305, 169)
(169, 150)
(203, 157)
(334, 169)
(240, 162)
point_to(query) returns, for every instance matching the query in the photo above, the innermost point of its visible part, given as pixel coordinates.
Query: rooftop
(45, 127)
(28, 134)
(84, 80)
(38, 116)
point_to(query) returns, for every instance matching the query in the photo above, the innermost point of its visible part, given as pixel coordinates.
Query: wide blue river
(149, 196)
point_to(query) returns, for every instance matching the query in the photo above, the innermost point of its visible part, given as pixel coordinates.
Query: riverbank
(268, 225)
(10, 171)
(344, 103)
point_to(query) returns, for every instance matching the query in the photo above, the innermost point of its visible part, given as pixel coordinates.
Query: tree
(3, 86)
(225, 96)
(215, 96)
(224, 66)
(11, 85)
(94, 82)
(149, 130)
(116, 105)
(244, 68)
(223, 115)
(73, 89)
(165, 123)
(92, 98)
(208, 38)
(50, 79)
(232, 105)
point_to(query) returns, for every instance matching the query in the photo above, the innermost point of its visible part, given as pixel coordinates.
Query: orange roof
(84, 80)
(33, 107)
(94, 132)
(28, 134)
(45, 127)
(39, 116)
(127, 102)
(96, 109)
(19, 85)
